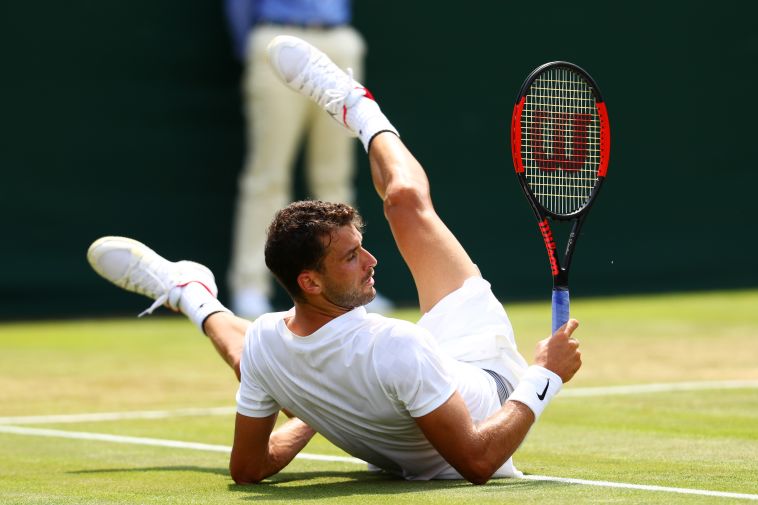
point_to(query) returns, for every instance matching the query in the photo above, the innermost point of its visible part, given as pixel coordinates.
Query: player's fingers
(567, 329)
(570, 327)
(577, 363)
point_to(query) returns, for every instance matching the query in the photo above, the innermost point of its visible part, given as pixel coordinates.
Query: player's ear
(309, 282)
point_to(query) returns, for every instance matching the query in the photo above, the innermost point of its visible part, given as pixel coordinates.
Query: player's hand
(560, 352)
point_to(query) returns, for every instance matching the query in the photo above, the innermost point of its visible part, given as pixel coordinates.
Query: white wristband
(201, 313)
(537, 387)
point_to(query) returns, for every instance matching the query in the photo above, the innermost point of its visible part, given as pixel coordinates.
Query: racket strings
(560, 132)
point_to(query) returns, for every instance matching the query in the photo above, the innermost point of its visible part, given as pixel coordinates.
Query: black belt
(309, 25)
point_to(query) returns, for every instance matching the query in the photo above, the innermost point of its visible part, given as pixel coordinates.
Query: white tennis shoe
(310, 72)
(133, 266)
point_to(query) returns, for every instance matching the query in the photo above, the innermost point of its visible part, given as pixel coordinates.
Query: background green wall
(124, 118)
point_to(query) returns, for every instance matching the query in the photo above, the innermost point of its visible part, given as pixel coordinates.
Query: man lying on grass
(445, 398)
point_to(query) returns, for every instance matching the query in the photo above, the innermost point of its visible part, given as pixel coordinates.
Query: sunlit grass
(694, 439)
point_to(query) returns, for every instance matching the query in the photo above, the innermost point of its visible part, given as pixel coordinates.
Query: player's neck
(310, 316)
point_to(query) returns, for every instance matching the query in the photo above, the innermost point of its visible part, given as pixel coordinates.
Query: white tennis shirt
(359, 381)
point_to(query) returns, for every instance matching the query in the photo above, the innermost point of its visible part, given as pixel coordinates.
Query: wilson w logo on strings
(559, 140)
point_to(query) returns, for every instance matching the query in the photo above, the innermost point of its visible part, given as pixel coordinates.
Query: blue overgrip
(560, 308)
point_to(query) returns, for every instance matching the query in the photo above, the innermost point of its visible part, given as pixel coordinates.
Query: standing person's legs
(275, 126)
(330, 151)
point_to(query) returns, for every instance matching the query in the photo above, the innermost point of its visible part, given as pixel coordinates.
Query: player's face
(348, 270)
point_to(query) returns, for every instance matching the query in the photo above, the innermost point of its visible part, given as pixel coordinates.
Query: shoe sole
(140, 250)
(95, 252)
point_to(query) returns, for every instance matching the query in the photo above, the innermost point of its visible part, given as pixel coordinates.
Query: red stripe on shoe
(366, 94)
(203, 285)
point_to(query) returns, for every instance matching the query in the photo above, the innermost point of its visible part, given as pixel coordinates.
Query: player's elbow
(478, 476)
(241, 478)
(477, 471)
(244, 474)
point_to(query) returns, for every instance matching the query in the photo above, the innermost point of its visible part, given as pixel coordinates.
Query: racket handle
(560, 307)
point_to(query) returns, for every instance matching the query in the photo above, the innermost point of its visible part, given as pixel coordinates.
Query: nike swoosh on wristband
(544, 391)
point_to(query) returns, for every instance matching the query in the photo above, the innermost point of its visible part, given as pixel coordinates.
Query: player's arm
(259, 452)
(477, 451)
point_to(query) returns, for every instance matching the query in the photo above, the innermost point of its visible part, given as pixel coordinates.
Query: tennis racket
(560, 142)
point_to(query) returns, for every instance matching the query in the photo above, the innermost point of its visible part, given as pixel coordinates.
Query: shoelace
(337, 95)
(140, 276)
(328, 96)
(157, 303)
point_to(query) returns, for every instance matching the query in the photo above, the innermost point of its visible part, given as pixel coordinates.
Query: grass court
(127, 411)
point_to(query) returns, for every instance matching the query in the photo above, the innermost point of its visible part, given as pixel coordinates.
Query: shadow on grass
(291, 486)
(174, 468)
(317, 485)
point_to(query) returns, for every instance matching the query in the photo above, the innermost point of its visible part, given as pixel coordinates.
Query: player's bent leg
(435, 257)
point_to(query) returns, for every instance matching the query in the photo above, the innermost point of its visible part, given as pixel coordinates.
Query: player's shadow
(174, 468)
(296, 486)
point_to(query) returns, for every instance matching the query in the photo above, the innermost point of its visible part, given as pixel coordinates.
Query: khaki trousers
(279, 122)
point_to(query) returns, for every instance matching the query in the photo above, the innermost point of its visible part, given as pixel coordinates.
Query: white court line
(222, 411)
(665, 387)
(117, 416)
(156, 442)
(644, 487)
(18, 430)
(119, 439)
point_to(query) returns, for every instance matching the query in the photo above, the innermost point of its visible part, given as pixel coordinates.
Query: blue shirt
(243, 14)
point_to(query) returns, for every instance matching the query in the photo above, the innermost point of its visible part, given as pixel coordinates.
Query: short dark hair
(299, 235)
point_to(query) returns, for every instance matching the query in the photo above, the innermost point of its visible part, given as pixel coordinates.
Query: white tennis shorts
(471, 325)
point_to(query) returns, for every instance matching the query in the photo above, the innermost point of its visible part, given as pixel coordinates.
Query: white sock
(366, 119)
(197, 303)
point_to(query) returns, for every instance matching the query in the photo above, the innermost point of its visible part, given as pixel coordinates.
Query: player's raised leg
(183, 286)
(437, 261)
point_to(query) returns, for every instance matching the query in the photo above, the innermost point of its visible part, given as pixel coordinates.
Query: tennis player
(445, 398)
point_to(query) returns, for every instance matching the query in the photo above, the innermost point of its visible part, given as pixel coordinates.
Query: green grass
(704, 439)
